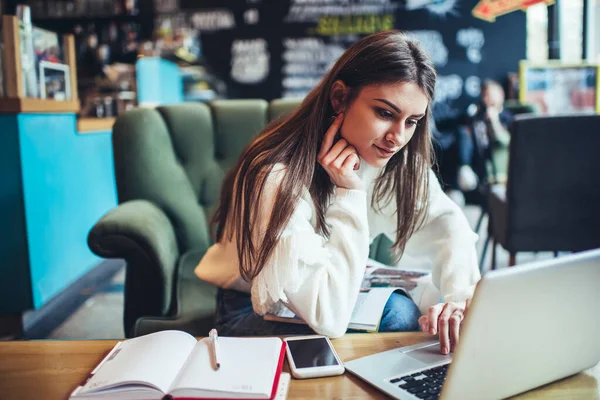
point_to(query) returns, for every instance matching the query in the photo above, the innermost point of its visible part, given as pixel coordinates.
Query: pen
(214, 343)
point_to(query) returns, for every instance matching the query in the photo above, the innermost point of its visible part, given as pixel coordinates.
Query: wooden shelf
(31, 105)
(90, 125)
(15, 100)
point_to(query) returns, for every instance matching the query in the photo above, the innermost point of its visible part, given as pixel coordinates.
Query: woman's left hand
(492, 114)
(445, 318)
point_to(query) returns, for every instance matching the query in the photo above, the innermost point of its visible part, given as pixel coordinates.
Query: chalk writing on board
(448, 87)
(473, 86)
(164, 6)
(474, 55)
(437, 7)
(472, 39)
(205, 21)
(249, 61)
(306, 60)
(313, 10)
(433, 44)
(353, 24)
(251, 16)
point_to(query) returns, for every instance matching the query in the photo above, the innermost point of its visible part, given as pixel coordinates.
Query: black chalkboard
(277, 48)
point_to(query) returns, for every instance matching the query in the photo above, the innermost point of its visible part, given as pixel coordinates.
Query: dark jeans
(472, 153)
(465, 146)
(235, 317)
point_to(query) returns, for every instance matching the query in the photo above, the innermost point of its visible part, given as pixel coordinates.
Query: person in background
(308, 195)
(488, 128)
(443, 125)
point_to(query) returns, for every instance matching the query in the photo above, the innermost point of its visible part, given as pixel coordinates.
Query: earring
(334, 116)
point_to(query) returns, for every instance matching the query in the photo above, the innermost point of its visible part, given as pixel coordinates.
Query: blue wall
(158, 82)
(68, 184)
(55, 185)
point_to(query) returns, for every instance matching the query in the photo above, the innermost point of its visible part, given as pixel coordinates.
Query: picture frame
(55, 81)
(46, 45)
(558, 88)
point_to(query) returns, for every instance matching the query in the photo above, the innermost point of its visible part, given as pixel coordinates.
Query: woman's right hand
(339, 159)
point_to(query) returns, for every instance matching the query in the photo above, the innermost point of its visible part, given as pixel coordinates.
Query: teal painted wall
(55, 185)
(158, 82)
(15, 287)
(68, 184)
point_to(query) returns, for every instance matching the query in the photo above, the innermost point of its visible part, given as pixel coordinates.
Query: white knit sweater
(319, 279)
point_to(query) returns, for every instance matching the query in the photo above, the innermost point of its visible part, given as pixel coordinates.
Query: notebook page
(284, 386)
(369, 307)
(155, 359)
(248, 366)
(127, 392)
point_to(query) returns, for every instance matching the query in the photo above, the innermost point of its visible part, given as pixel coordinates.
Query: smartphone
(312, 357)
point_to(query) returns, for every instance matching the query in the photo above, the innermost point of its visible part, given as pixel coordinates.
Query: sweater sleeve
(444, 244)
(317, 278)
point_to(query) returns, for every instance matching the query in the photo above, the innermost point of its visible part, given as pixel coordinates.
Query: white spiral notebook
(173, 364)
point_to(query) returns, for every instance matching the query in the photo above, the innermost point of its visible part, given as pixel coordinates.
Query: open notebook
(174, 363)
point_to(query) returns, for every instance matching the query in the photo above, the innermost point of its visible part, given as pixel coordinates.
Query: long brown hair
(384, 57)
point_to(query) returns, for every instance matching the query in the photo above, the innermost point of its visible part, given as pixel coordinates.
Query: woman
(307, 196)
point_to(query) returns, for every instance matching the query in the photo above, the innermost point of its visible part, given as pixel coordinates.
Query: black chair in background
(489, 159)
(484, 166)
(552, 198)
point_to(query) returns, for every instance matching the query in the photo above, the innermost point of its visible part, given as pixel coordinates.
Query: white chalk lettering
(473, 86)
(251, 16)
(433, 44)
(470, 37)
(474, 55)
(313, 10)
(448, 87)
(249, 61)
(306, 61)
(213, 20)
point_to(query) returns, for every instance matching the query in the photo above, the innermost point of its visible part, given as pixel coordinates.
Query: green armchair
(169, 165)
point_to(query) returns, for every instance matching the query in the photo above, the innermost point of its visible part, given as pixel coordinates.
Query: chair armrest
(141, 233)
(140, 221)
(381, 250)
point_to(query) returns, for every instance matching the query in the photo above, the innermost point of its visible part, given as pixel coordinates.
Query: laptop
(527, 326)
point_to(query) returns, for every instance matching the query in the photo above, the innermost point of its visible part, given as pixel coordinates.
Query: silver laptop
(527, 326)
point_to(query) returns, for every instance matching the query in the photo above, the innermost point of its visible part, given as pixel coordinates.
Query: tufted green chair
(169, 165)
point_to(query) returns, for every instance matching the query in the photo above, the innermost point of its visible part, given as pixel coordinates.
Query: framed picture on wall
(55, 81)
(560, 88)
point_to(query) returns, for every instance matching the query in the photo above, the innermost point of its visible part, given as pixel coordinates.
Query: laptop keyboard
(426, 385)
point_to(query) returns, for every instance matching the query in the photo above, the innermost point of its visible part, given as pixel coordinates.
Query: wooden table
(52, 369)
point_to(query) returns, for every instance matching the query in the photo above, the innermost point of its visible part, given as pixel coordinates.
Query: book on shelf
(173, 364)
(379, 282)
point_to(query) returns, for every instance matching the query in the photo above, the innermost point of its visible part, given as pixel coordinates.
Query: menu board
(282, 48)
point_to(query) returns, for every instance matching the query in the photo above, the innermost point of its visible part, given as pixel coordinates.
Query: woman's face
(493, 96)
(382, 119)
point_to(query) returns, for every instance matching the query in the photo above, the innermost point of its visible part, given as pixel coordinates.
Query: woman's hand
(492, 113)
(339, 159)
(445, 318)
